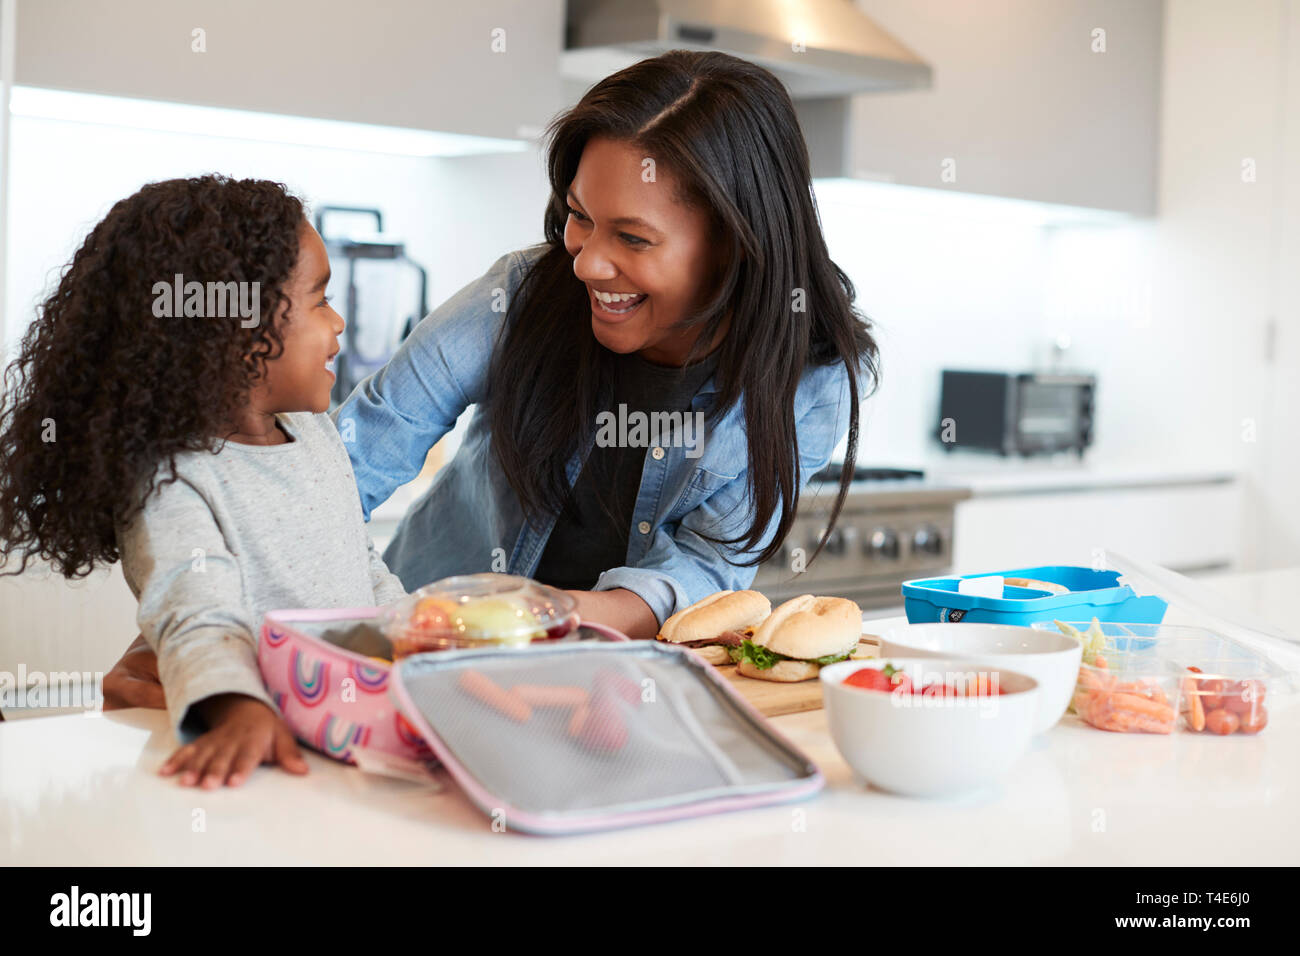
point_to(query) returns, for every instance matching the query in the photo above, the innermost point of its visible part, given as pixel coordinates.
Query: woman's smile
(615, 307)
(647, 256)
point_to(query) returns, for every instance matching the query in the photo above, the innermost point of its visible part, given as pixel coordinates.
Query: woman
(684, 273)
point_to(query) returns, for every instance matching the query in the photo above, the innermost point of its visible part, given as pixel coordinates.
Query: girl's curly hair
(103, 391)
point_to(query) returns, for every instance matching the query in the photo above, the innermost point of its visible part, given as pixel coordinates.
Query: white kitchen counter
(982, 476)
(83, 790)
(992, 476)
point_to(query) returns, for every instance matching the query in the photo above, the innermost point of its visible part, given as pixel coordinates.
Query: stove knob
(850, 534)
(834, 541)
(927, 540)
(882, 545)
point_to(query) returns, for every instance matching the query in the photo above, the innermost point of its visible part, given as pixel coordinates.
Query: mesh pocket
(583, 730)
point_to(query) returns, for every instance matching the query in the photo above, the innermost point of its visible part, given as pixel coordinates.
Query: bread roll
(809, 627)
(724, 611)
(783, 672)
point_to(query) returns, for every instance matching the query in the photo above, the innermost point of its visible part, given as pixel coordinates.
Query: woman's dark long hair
(727, 130)
(104, 390)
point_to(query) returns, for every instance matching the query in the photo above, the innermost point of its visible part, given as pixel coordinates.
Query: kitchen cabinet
(1189, 527)
(1021, 105)
(488, 68)
(1277, 454)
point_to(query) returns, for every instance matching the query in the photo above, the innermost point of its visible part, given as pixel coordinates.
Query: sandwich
(716, 624)
(799, 638)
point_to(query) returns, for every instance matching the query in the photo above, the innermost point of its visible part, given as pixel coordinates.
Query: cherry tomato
(887, 678)
(1241, 697)
(1255, 721)
(869, 678)
(1222, 722)
(1211, 693)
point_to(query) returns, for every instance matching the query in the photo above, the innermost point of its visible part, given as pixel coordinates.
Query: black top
(588, 539)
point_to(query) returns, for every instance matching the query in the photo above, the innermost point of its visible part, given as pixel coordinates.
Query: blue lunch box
(1091, 594)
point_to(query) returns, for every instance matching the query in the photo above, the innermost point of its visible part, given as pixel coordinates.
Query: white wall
(485, 206)
(1277, 455)
(1191, 376)
(1173, 313)
(64, 177)
(7, 11)
(958, 290)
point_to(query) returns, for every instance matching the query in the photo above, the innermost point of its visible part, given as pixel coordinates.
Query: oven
(894, 526)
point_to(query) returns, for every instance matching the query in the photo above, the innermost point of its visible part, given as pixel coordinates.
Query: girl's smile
(301, 378)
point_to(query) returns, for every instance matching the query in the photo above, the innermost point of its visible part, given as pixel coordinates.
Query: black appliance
(386, 295)
(1028, 413)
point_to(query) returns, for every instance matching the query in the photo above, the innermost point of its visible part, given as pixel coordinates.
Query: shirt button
(644, 527)
(657, 453)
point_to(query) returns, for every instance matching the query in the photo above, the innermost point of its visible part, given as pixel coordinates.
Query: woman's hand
(619, 608)
(133, 681)
(244, 733)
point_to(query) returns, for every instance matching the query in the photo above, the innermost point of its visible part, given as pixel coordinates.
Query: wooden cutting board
(772, 699)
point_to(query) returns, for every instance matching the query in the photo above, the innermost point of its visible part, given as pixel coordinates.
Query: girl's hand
(244, 733)
(133, 681)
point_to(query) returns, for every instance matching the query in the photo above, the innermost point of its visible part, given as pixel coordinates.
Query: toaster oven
(1029, 413)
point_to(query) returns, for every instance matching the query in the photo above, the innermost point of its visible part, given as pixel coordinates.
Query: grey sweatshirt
(249, 529)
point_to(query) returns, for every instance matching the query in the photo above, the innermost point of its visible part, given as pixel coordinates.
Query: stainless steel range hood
(818, 48)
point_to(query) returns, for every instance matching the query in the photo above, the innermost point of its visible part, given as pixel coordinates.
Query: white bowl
(928, 746)
(1050, 658)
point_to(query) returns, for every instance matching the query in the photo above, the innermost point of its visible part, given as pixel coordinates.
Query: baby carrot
(505, 702)
(577, 720)
(1127, 713)
(546, 695)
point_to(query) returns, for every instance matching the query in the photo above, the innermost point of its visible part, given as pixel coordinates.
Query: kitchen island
(83, 790)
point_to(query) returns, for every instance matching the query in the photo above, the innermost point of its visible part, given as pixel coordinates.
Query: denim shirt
(470, 519)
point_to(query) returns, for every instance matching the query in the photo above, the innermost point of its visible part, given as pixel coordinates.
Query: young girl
(167, 408)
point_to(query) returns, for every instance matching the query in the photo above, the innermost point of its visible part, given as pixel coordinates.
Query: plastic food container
(1214, 684)
(479, 610)
(1090, 594)
(1135, 692)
